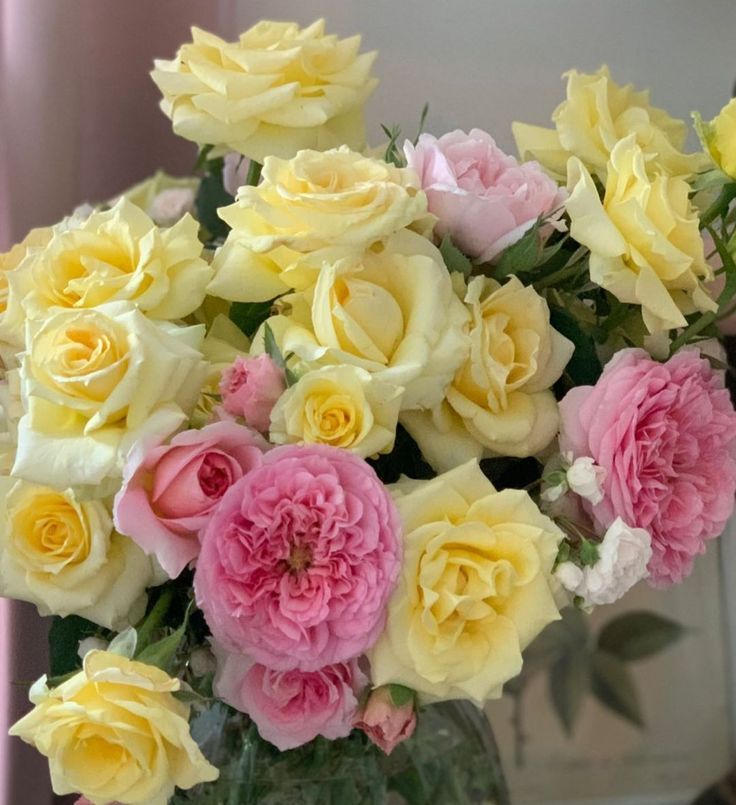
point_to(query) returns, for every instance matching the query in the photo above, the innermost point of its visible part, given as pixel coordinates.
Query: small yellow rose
(597, 113)
(277, 90)
(644, 237)
(96, 379)
(342, 406)
(315, 200)
(62, 554)
(150, 193)
(476, 587)
(115, 732)
(719, 137)
(390, 311)
(500, 400)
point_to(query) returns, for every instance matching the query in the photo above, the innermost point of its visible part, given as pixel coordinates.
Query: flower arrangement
(324, 435)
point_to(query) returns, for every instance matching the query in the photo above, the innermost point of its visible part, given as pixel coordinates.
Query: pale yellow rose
(94, 381)
(390, 311)
(276, 91)
(719, 137)
(500, 401)
(342, 406)
(644, 237)
(597, 113)
(476, 587)
(315, 200)
(119, 254)
(115, 732)
(62, 554)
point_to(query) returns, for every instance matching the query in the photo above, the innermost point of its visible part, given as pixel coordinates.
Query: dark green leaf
(64, 637)
(249, 316)
(521, 256)
(568, 683)
(584, 367)
(637, 635)
(613, 685)
(422, 122)
(392, 152)
(400, 695)
(454, 259)
(254, 173)
(588, 552)
(210, 196)
(163, 652)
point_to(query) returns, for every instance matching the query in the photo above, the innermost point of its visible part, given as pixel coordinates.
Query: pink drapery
(78, 122)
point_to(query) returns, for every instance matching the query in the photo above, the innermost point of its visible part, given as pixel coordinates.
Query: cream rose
(644, 238)
(119, 254)
(390, 311)
(597, 113)
(719, 137)
(500, 401)
(277, 90)
(475, 590)
(336, 198)
(62, 554)
(115, 732)
(343, 406)
(94, 381)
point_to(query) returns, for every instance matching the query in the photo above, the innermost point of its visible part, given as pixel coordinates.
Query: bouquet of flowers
(299, 472)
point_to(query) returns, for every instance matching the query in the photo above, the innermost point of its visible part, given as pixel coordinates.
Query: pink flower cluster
(665, 433)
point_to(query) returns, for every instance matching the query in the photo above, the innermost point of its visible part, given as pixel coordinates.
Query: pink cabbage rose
(290, 708)
(250, 388)
(665, 433)
(484, 199)
(299, 559)
(384, 723)
(170, 490)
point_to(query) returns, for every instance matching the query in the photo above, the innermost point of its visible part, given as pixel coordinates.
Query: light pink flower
(299, 559)
(665, 433)
(292, 707)
(170, 490)
(484, 199)
(171, 205)
(250, 388)
(234, 172)
(384, 723)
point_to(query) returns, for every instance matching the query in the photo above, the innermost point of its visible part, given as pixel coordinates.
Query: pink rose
(234, 172)
(170, 490)
(292, 707)
(299, 559)
(384, 723)
(484, 199)
(250, 388)
(665, 433)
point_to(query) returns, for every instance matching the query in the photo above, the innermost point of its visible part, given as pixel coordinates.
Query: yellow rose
(336, 198)
(94, 381)
(476, 587)
(279, 89)
(114, 255)
(644, 239)
(342, 406)
(500, 400)
(598, 113)
(115, 732)
(719, 137)
(62, 554)
(149, 194)
(390, 311)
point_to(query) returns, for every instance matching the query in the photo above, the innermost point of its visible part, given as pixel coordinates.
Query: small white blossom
(91, 644)
(553, 493)
(171, 204)
(585, 478)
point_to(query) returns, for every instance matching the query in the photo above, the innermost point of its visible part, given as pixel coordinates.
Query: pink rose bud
(250, 388)
(171, 204)
(234, 172)
(385, 723)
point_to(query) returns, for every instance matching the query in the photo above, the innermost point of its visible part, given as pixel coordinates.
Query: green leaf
(521, 256)
(400, 695)
(584, 368)
(254, 173)
(64, 637)
(163, 652)
(454, 259)
(637, 635)
(568, 636)
(422, 122)
(588, 552)
(124, 644)
(613, 685)
(249, 316)
(392, 152)
(274, 352)
(212, 195)
(568, 683)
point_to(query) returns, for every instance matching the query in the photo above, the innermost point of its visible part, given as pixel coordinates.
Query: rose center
(300, 557)
(215, 475)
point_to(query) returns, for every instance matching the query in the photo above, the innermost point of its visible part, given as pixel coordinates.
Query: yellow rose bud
(277, 90)
(719, 137)
(597, 113)
(500, 401)
(342, 406)
(476, 587)
(115, 732)
(62, 554)
(644, 238)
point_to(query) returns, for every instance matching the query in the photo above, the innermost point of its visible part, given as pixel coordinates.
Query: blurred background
(79, 122)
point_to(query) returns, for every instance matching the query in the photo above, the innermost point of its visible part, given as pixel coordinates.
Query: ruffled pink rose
(250, 388)
(290, 708)
(299, 559)
(384, 723)
(170, 490)
(666, 435)
(484, 199)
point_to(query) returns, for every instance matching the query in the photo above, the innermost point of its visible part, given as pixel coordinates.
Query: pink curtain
(78, 122)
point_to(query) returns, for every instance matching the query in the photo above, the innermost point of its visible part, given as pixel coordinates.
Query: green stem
(254, 173)
(562, 274)
(155, 616)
